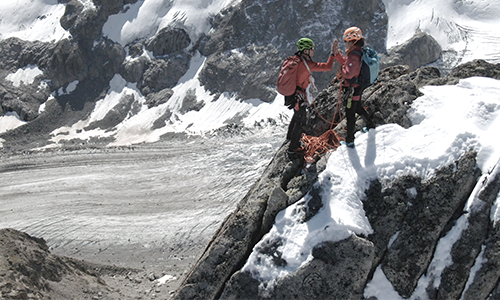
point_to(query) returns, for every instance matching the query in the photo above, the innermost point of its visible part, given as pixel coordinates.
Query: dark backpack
(287, 79)
(370, 67)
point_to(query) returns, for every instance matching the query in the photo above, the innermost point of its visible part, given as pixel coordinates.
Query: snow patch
(145, 18)
(68, 89)
(10, 121)
(380, 287)
(24, 75)
(44, 105)
(480, 260)
(165, 279)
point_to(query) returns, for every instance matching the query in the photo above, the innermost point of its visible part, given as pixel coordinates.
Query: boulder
(422, 49)
(168, 40)
(477, 67)
(161, 74)
(133, 70)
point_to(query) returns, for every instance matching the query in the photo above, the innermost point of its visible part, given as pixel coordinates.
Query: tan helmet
(353, 34)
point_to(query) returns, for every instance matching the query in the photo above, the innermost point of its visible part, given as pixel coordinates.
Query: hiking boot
(350, 144)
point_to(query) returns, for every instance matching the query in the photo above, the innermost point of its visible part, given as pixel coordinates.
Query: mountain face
(408, 215)
(255, 36)
(244, 51)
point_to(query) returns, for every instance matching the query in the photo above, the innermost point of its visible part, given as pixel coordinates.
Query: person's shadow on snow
(371, 149)
(371, 154)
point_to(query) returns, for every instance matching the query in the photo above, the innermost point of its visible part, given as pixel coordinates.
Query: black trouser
(356, 107)
(296, 127)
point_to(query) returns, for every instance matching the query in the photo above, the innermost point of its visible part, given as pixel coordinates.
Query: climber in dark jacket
(351, 65)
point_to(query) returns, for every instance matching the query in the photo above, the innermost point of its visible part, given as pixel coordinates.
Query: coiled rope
(316, 147)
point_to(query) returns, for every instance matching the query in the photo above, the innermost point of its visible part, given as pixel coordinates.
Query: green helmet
(305, 44)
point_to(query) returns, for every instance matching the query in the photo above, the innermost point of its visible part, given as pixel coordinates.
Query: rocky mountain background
(244, 52)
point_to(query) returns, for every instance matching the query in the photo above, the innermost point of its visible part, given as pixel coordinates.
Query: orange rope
(319, 145)
(330, 140)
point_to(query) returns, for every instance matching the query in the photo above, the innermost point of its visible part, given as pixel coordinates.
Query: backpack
(370, 67)
(287, 79)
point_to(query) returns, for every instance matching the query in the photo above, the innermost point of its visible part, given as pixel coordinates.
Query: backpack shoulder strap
(307, 66)
(360, 53)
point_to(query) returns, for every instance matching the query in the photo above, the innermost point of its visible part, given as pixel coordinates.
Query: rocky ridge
(338, 272)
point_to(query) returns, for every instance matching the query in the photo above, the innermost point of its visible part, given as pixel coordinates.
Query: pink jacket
(350, 65)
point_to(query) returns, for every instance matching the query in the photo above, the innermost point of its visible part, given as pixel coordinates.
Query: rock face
(243, 42)
(29, 271)
(422, 49)
(89, 61)
(410, 223)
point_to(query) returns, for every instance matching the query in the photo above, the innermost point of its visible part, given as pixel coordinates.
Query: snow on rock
(465, 27)
(24, 75)
(32, 20)
(146, 17)
(10, 121)
(449, 121)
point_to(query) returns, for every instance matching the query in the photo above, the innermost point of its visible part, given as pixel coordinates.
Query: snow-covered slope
(467, 28)
(449, 121)
(144, 18)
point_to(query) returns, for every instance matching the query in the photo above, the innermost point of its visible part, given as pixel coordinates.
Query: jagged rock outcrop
(168, 40)
(411, 223)
(422, 49)
(88, 61)
(234, 240)
(29, 271)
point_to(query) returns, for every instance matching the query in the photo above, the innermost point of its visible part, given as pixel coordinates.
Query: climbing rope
(316, 147)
